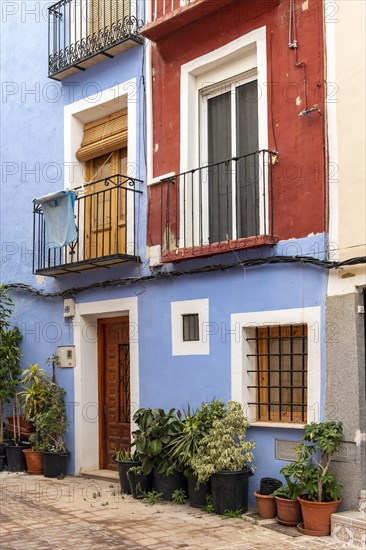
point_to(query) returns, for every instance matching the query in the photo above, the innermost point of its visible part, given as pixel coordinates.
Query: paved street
(82, 514)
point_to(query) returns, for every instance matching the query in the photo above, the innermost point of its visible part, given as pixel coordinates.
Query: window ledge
(287, 425)
(180, 254)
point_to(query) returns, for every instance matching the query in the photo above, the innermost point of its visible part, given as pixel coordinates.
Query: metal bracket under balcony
(106, 228)
(82, 33)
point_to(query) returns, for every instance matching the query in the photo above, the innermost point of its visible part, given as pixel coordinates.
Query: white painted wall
(346, 116)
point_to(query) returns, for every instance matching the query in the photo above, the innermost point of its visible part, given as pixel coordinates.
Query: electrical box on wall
(67, 356)
(69, 308)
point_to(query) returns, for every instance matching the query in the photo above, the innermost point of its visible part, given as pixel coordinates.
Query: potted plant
(140, 483)
(10, 339)
(196, 425)
(35, 397)
(153, 438)
(288, 506)
(52, 425)
(224, 454)
(322, 492)
(126, 459)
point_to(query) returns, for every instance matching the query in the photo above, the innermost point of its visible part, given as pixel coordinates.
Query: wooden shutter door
(219, 177)
(248, 168)
(106, 12)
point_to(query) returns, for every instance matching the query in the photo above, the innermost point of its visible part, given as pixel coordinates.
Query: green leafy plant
(153, 497)
(34, 395)
(314, 455)
(179, 496)
(136, 470)
(230, 514)
(225, 448)
(294, 484)
(209, 507)
(126, 455)
(153, 438)
(196, 425)
(10, 339)
(52, 422)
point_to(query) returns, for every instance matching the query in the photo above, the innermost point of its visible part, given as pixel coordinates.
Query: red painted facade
(299, 206)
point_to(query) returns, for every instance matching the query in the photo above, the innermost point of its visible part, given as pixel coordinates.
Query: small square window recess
(191, 328)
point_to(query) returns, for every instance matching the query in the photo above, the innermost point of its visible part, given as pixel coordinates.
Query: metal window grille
(190, 328)
(280, 376)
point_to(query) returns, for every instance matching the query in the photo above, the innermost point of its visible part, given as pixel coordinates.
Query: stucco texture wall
(345, 390)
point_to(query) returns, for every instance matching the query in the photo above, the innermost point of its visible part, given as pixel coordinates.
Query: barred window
(190, 328)
(279, 379)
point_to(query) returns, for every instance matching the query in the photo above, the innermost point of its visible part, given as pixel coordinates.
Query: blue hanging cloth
(58, 211)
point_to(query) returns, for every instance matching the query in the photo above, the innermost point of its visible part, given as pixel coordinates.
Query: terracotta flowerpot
(266, 505)
(34, 461)
(26, 427)
(317, 515)
(288, 511)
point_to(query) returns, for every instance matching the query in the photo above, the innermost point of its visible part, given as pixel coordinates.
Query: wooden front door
(114, 388)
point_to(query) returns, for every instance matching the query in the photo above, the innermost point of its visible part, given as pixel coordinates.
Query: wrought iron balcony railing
(218, 207)
(106, 228)
(84, 32)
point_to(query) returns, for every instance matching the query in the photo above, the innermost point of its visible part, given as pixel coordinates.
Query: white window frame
(190, 347)
(244, 55)
(88, 109)
(240, 348)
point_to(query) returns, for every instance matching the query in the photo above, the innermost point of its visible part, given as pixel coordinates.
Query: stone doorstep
(105, 475)
(352, 518)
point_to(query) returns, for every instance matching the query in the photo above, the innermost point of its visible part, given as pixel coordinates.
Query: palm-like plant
(196, 425)
(35, 392)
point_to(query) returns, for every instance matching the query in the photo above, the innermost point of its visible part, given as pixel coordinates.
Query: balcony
(106, 228)
(169, 15)
(84, 32)
(218, 208)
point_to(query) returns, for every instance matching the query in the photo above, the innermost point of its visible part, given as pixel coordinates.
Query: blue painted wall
(32, 110)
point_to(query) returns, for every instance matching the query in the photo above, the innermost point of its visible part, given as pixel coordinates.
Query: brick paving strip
(76, 513)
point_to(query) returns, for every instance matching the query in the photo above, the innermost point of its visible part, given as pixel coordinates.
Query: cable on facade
(305, 260)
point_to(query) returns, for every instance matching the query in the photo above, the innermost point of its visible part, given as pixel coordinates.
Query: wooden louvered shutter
(103, 136)
(106, 12)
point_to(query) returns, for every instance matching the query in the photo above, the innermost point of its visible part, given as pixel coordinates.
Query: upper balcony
(167, 16)
(84, 32)
(106, 229)
(220, 207)
(170, 15)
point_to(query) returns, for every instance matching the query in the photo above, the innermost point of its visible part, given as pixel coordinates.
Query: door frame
(101, 381)
(85, 429)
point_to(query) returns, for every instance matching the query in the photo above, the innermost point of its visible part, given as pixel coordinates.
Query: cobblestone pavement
(75, 513)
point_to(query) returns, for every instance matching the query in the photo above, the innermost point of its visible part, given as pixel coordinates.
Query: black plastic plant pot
(2, 462)
(15, 458)
(139, 484)
(55, 464)
(230, 491)
(168, 484)
(268, 485)
(123, 479)
(2, 449)
(197, 498)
